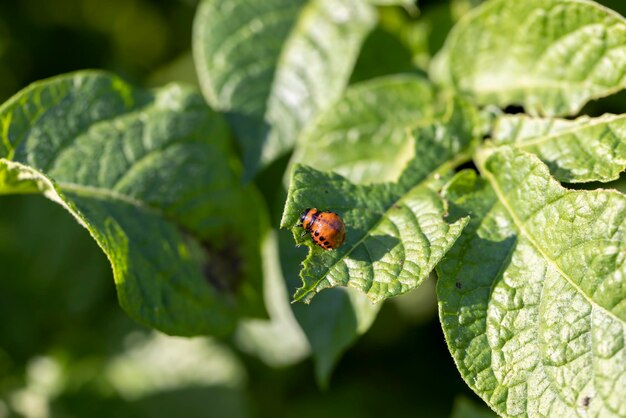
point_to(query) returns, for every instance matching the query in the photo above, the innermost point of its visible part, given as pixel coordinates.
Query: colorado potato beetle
(326, 228)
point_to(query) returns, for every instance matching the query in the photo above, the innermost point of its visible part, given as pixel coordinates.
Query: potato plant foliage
(427, 169)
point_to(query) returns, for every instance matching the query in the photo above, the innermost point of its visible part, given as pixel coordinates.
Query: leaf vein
(522, 228)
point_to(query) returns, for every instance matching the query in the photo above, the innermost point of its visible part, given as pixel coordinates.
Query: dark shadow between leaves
(330, 326)
(619, 184)
(211, 401)
(558, 171)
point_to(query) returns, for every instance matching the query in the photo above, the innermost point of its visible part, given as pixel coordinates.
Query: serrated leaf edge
(305, 295)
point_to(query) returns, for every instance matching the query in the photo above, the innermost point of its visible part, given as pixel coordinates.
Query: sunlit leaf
(364, 136)
(395, 232)
(549, 56)
(531, 296)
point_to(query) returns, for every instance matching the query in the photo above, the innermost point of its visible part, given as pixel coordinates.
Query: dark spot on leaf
(459, 285)
(586, 401)
(223, 266)
(326, 191)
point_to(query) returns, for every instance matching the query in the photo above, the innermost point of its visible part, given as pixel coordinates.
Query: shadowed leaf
(151, 176)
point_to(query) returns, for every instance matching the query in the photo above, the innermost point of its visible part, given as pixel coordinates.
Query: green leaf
(151, 175)
(550, 56)
(581, 150)
(364, 136)
(531, 297)
(395, 232)
(272, 65)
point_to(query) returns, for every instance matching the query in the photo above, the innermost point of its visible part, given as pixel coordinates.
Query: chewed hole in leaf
(394, 236)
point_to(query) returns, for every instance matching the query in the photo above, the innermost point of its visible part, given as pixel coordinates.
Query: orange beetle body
(326, 228)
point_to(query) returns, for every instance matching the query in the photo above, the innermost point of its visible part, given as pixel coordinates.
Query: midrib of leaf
(481, 157)
(443, 168)
(269, 18)
(112, 195)
(90, 192)
(306, 13)
(107, 194)
(218, 97)
(573, 130)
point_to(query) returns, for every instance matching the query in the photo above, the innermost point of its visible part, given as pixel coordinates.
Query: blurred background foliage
(68, 350)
